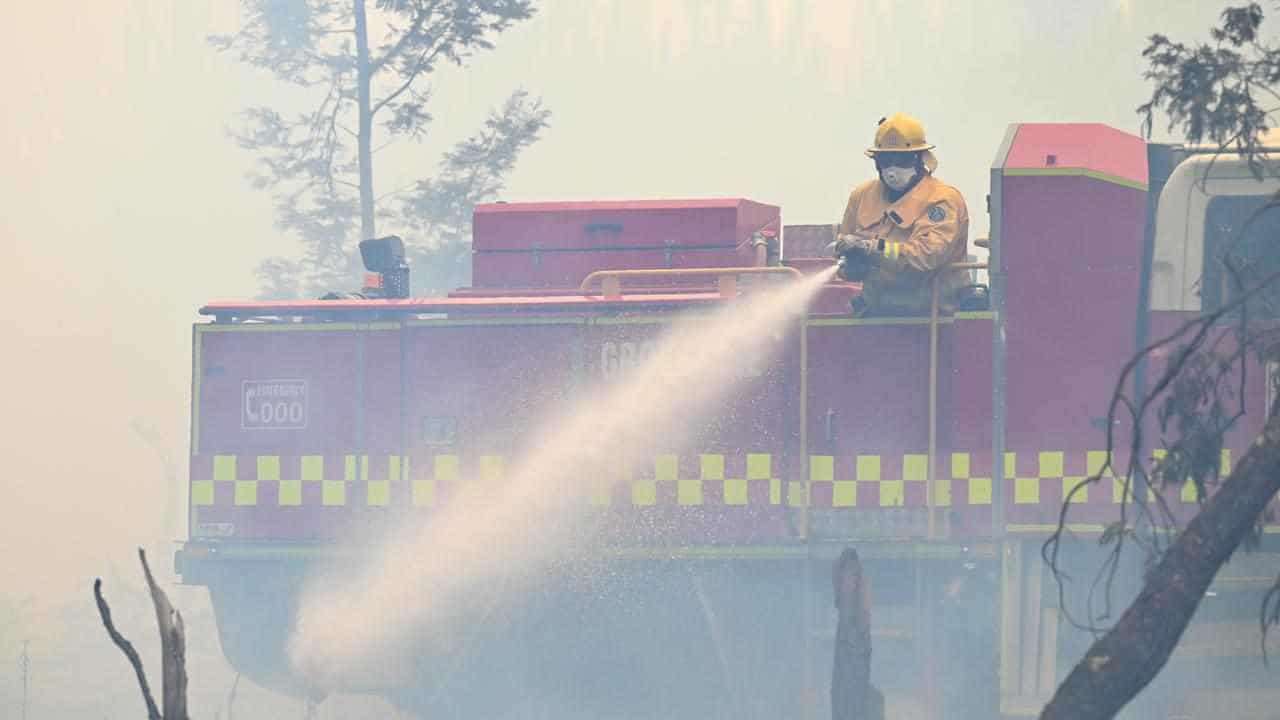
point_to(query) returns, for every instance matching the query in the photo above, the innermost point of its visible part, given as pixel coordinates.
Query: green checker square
(446, 468)
(424, 492)
(269, 467)
(1051, 464)
(378, 493)
(759, 466)
(868, 468)
(1026, 491)
(797, 494)
(689, 492)
(312, 467)
(644, 493)
(915, 467)
(891, 493)
(942, 493)
(290, 493)
(599, 493)
(979, 491)
(333, 493)
(844, 493)
(201, 492)
(822, 468)
(224, 468)
(666, 467)
(959, 466)
(1095, 460)
(490, 468)
(1187, 493)
(1069, 484)
(246, 492)
(712, 467)
(735, 491)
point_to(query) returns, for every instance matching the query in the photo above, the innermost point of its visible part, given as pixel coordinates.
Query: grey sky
(125, 204)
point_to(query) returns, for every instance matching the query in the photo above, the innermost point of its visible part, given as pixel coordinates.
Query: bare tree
(367, 64)
(1211, 91)
(172, 649)
(853, 697)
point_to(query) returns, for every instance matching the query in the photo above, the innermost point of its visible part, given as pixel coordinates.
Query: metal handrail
(608, 278)
(931, 474)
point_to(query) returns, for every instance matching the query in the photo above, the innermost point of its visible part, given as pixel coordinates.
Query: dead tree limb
(153, 713)
(853, 697)
(1127, 658)
(173, 647)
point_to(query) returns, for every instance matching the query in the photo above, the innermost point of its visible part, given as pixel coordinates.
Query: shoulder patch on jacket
(937, 213)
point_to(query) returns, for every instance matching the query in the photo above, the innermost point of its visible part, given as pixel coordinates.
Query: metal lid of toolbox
(557, 244)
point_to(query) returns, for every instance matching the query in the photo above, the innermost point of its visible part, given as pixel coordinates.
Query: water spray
(486, 543)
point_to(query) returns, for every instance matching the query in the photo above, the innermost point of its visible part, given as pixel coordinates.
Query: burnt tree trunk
(1123, 661)
(852, 695)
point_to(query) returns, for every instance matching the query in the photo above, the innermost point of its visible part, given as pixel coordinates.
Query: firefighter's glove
(858, 254)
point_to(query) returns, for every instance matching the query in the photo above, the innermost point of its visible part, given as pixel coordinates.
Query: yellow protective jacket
(916, 237)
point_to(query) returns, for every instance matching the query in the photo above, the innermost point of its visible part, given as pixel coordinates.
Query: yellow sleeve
(847, 224)
(931, 245)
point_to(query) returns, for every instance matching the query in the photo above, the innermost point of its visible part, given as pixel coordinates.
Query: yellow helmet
(902, 133)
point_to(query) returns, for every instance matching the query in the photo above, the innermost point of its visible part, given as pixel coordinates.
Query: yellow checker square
(979, 491)
(959, 466)
(797, 494)
(759, 466)
(844, 493)
(942, 493)
(666, 467)
(1051, 464)
(224, 468)
(201, 492)
(598, 493)
(246, 492)
(1095, 460)
(312, 467)
(1159, 453)
(689, 492)
(333, 493)
(891, 493)
(1225, 470)
(424, 492)
(1026, 491)
(644, 492)
(822, 468)
(397, 467)
(775, 491)
(868, 468)
(915, 467)
(1069, 484)
(349, 468)
(290, 493)
(1010, 464)
(378, 493)
(1188, 493)
(490, 468)
(711, 467)
(269, 467)
(735, 491)
(446, 468)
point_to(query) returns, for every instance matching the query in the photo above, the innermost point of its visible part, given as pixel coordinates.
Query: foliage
(365, 70)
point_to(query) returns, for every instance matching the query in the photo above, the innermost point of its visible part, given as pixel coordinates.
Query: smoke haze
(125, 207)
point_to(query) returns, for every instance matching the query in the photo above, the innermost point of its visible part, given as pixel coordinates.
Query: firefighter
(901, 230)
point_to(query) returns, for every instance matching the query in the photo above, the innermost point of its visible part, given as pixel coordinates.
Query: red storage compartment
(540, 245)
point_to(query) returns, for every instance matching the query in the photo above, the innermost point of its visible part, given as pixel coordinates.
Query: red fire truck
(939, 446)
